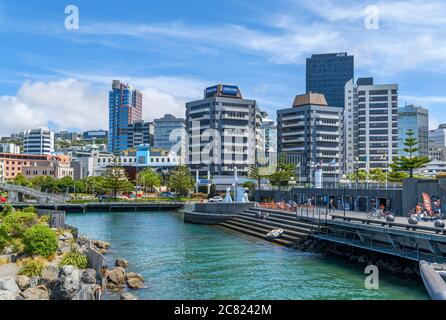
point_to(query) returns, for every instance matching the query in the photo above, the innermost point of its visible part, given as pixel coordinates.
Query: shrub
(17, 222)
(32, 267)
(44, 219)
(74, 259)
(8, 209)
(29, 209)
(40, 240)
(4, 238)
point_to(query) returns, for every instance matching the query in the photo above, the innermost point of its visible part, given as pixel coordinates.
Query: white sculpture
(228, 198)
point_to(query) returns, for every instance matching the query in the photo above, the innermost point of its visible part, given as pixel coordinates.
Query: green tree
(360, 175)
(116, 180)
(377, 175)
(94, 185)
(283, 175)
(410, 162)
(149, 179)
(181, 180)
(21, 180)
(254, 173)
(397, 176)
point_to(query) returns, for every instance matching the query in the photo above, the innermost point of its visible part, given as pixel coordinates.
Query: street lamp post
(356, 165)
(344, 183)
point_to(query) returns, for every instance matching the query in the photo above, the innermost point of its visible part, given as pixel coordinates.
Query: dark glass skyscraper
(328, 73)
(125, 108)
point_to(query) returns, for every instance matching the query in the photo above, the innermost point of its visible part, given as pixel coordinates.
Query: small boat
(274, 234)
(434, 276)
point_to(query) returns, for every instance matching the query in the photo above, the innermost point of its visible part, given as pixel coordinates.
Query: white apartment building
(371, 124)
(9, 148)
(236, 121)
(38, 141)
(312, 133)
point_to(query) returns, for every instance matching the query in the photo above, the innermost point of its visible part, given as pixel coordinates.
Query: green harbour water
(194, 262)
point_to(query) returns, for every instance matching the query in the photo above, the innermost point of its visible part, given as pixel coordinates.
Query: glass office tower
(417, 119)
(125, 107)
(327, 74)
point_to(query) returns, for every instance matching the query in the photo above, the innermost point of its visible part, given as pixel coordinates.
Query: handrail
(391, 224)
(31, 192)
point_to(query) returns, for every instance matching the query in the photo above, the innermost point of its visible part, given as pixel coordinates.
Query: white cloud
(65, 104)
(82, 102)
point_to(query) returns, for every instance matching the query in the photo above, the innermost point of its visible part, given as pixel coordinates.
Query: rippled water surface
(183, 261)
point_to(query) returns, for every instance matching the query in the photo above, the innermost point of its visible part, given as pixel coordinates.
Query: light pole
(356, 165)
(312, 166)
(344, 183)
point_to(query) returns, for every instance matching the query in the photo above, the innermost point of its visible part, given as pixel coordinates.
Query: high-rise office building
(437, 137)
(140, 132)
(268, 132)
(170, 132)
(371, 124)
(235, 122)
(38, 141)
(313, 130)
(125, 107)
(327, 74)
(414, 118)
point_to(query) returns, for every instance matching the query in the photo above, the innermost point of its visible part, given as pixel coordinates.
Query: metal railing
(48, 197)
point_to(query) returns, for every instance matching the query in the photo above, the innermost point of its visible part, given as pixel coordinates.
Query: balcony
(323, 139)
(327, 124)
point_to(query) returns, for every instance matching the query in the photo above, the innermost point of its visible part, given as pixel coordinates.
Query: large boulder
(9, 284)
(135, 283)
(36, 293)
(83, 241)
(101, 244)
(131, 275)
(23, 282)
(68, 283)
(135, 280)
(128, 296)
(116, 278)
(50, 274)
(9, 295)
(89, 276)
(121, 263)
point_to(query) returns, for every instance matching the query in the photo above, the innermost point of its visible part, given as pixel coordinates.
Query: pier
(105, 206)
(421, 242)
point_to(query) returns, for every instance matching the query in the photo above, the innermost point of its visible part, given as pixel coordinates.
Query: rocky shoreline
(385, 263)
(67, 282)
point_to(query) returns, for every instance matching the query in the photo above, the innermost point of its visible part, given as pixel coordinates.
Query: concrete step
(291, 220)
(233, 227)
(274, 224)
(289, 215)
(262, 229)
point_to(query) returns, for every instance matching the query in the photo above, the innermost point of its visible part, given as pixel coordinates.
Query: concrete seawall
(214, 213)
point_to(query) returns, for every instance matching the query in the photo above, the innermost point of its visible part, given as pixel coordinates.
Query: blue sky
(172, 50)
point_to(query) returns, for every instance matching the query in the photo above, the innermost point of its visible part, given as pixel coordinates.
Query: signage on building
(211, 91)
(229, 90)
